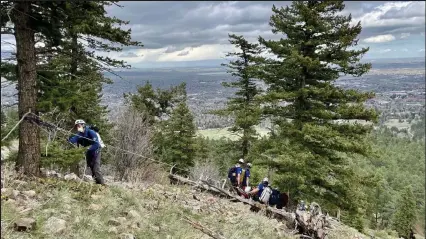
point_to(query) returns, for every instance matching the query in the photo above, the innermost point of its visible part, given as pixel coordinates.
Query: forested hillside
(323, 143)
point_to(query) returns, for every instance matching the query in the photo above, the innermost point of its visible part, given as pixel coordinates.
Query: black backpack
(232, 174)
(86, 142)
(93, 127)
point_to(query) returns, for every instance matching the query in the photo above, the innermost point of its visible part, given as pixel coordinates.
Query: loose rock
(113, 222)
(87, 178)
(71, 176)
(30, 193)
(126, 236)
(112, 230)
(55, 225)
(133, 214)
(24, 224)
(95, 207)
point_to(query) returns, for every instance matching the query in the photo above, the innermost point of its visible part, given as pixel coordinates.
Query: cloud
(128, 54)
(394, 14)
(380, 38)
(405, 35)
(422, 50)
(206, 24)
(385, 50)
(183, 53)
(169, 29)
(404, 49)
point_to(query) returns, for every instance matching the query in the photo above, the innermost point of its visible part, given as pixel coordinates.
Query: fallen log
(176, 178)
(205, 230)
(279, 214)
(314, 225)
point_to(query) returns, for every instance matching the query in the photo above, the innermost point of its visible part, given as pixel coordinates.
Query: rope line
(16, 125)
(51, 125)
(38, 121)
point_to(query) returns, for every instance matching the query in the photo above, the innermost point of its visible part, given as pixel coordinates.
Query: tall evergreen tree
(26, 20)
(167, 111)
(178, 139)
(65, 64)
(244, 106)
(306, 106)
(77, 69)
(405, 215)
(156, 104)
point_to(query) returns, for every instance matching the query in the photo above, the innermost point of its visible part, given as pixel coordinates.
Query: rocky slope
(67, 207)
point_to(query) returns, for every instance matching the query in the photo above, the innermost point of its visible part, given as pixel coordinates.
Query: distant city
(395, 81)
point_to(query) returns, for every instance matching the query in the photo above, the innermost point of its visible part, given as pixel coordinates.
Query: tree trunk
(73, 71)
(74, 55)
(29, 141)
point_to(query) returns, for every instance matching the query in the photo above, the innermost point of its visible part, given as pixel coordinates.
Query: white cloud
(377, 18)
(380, 38)
(204, 52)
(404, 35)
(386, 50)
(422, 50)
(404, 49)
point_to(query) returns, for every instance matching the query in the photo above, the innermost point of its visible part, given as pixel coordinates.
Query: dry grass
(161, 209)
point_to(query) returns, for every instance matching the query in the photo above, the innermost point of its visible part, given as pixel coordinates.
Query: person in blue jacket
(245, 180)
(234, 173)
(277, 198)
(258, 191)
(87, 137)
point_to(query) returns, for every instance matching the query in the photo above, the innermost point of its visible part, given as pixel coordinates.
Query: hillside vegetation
(369, 176)
(80, 209)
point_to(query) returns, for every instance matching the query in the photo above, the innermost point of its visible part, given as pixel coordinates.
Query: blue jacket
(246, 175)
(89, 134)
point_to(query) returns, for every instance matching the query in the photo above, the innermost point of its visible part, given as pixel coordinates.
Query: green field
(223, 132)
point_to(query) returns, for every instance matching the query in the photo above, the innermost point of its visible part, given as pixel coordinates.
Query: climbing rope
(39, 122)
(14, 127)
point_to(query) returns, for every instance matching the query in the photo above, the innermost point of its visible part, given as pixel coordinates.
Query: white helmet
(241, 161)
(249, 165)
(265, 180)
(79, 121)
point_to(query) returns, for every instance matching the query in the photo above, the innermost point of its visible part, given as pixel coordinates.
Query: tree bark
(29, 141)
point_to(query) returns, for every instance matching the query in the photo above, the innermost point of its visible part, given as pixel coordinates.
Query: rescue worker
(256, 192)
(245, 185)
(234, 173)
(88, 137)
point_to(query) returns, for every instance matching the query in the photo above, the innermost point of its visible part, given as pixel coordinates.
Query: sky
(176, 33)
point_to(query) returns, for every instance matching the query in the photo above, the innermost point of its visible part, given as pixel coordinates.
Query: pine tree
(159, 104)
(26, 20)
(178, 139)
(244, 105)
(405, 215)
(78, 70)
(167, 111)
(64, 64)
(305, 106)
